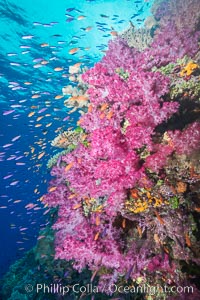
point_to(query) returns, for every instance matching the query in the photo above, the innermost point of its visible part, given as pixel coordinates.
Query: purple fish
(42, 110)
(69, 20)
(14, 183)
(19, 157)
(11, 157)
(7, 145)
(8, 176)
(16, 105)
(7, 112)
(66, 118)
(16, 138)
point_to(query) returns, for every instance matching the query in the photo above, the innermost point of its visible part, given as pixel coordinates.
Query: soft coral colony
(127, 189)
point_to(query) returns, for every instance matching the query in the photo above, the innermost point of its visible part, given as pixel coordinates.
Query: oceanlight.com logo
(42, 288)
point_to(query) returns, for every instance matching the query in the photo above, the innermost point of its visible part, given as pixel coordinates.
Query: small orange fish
(97, 220)
(88, 28)
(102, 116)
(159, 218)
(68, 167)
(44, 62)
(39, 118)
(53, 188)
(124, 223)
(79, 122)
(114, 33)
(96, 236)
(44, 45)
(139, 231)
(197, 209)
(28, 83)
(166, 250)
(41, 155)
(58, 97)
(77, 206)
(83, 138)
(35, 96)
(73, 50)
(90, 108)
(187, 240)
(31, 114)
(134, 193)
(38, 125)
(32, 149)
(77, 65)
(87, 201)
(109, 115)
(79, 160)
(72, 196)
(81, 17)
(58, 69)
(104, 106)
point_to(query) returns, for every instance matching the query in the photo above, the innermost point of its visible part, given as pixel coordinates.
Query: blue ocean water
(35, 40)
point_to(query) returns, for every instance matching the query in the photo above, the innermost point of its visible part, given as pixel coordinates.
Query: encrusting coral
(139, 38)
(69, 138)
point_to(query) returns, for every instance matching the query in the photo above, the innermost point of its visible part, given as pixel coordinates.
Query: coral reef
(127, 189)
(128, 196)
